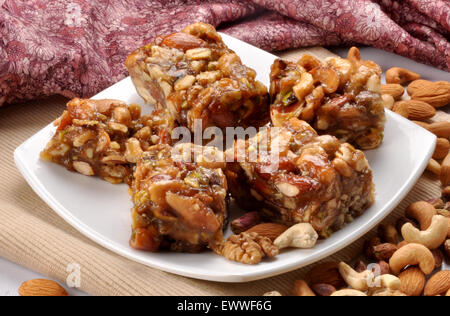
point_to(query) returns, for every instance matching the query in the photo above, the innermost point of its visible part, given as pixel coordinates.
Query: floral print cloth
(77, 47)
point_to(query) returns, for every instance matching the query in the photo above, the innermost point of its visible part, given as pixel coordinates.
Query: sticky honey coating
(105, 138)
(301, 177)
(179, 204)
(340, 97)
(195, 76)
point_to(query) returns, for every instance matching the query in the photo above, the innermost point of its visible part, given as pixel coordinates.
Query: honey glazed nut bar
(104, 137)
(196, 76)
(178, 204)
(340, 97)
(317, 179)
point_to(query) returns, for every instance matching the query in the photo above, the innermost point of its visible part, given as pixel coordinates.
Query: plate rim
(105, 242)
(123, 250)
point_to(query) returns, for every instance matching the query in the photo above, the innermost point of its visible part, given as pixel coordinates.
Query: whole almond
(401, 108)
(412, 281)
(440, 129)
(436, 94)
(422, 124)
(445, 171)
(270, 230)
(414, 110)
(326, 273)
(434, 167)
(438, 284)
(41, 287)
(401, 75)
(322, 289)
(384, 251)
(395, 90)
(368, 247)
(442, 148)
(447, 248)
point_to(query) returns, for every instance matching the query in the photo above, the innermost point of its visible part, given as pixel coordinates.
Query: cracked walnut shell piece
(248, 248)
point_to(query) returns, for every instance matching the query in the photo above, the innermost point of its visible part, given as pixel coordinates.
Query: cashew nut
(421, 211)
(412, 254)
(386, 292)
(431, 238)
(438, 284)
(401, 75)
(388, 281)
(358, 281)
(305, 86)
(301, 288)
(300, 235)
(348, 292)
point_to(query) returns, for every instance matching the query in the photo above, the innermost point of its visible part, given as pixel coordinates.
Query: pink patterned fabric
(77, 47)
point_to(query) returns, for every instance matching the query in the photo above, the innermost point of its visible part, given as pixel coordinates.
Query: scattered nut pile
(254, 240)
(390, 267)
(425, 97)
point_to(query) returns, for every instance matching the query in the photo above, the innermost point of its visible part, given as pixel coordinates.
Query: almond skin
(414, 110)
(436, 94)
(442, 148)
(183, 41)
(438, 284)
(401, 108)
(41, 287)
(270, 230)
(384, 251)
(440, 129)
(395, 90)
(422, 124)
(323, 289)
(412, 281)
(445, 171)
(326, 273)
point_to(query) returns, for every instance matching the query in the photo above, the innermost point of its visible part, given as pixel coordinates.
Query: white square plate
(101, 211)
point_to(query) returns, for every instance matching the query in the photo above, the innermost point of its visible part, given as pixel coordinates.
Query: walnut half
(248, 248)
